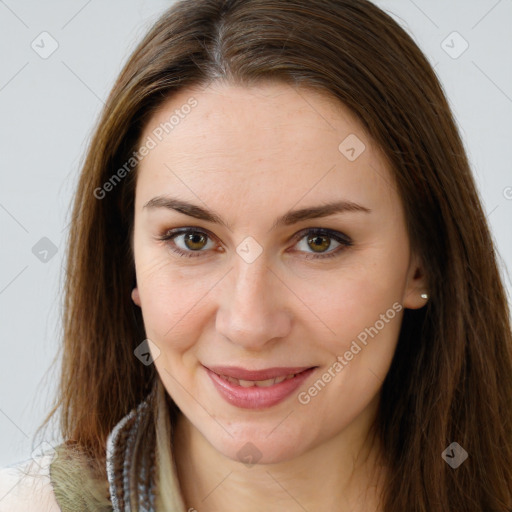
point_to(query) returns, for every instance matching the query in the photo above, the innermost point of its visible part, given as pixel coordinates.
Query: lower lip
(257, 397)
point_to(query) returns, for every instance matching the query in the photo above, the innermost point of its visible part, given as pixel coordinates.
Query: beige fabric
(75, 488)
(26, 487)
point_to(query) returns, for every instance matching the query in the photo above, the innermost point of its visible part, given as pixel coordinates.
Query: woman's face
(257, 273)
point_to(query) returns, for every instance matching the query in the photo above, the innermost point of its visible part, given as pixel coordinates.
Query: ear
(136, 296)
(416, 285)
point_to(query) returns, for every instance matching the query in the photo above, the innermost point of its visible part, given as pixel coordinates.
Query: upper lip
(267, 373)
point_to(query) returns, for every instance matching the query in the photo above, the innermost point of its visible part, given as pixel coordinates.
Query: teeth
(258, 383)
(244, 383)
(265, 383)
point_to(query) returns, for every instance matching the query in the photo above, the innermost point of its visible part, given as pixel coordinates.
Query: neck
(342, 474)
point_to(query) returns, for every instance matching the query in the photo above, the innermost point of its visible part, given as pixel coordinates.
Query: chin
(254, 445)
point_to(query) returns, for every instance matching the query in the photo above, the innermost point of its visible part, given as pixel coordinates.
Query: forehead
(272, 140)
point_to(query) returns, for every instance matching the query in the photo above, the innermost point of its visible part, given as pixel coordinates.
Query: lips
(257, 389)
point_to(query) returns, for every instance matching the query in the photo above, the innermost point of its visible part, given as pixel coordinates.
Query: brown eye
(195, 240)
(316, 242)
(187, 242)
(319, 243)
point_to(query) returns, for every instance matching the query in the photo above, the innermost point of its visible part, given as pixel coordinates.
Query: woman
(281, 288)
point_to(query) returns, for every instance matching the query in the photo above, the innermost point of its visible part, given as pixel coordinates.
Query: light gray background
(48, 110)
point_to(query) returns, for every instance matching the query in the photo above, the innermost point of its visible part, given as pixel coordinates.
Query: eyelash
(341, 238)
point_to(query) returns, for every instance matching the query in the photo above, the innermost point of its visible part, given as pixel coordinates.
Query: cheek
(356, 313)
(172, 304)
(350, 300)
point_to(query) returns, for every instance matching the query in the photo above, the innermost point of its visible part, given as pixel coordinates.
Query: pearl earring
(424, 296)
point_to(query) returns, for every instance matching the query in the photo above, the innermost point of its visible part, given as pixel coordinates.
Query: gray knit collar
(130, 492)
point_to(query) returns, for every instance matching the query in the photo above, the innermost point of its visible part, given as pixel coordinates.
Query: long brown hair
(451, 376)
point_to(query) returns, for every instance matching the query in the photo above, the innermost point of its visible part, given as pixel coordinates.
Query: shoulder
(27, 486)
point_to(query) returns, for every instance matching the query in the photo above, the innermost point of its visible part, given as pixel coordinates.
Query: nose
(253, 311)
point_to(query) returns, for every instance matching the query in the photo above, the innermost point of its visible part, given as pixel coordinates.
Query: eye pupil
(323, 246)
(195, 238)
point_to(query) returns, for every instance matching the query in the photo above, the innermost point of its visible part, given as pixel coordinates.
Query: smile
(253, 393)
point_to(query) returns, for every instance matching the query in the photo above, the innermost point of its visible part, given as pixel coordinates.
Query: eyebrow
(289, 218)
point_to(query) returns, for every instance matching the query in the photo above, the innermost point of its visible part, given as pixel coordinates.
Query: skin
(251, 155)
